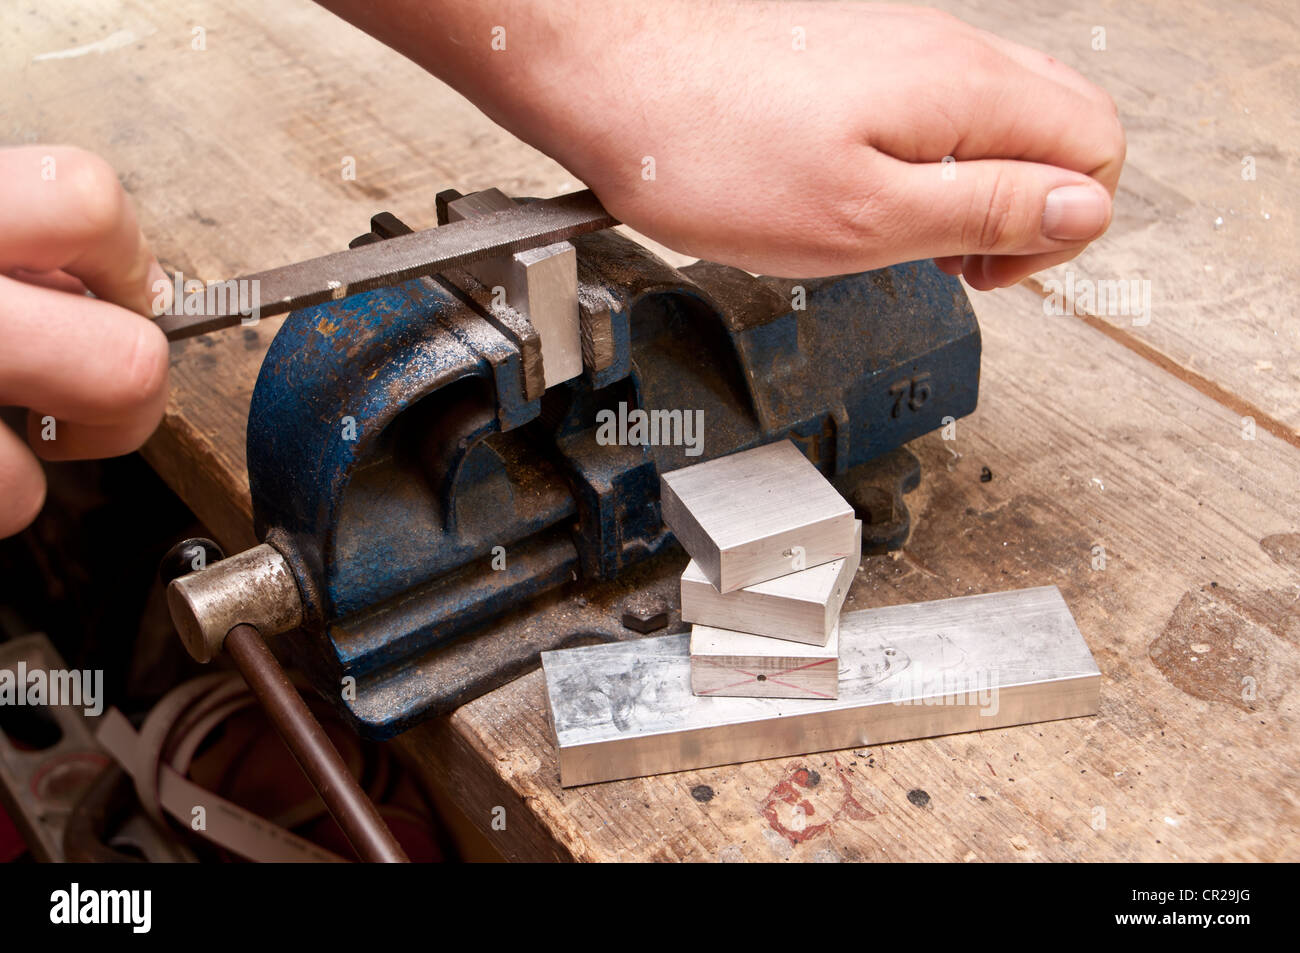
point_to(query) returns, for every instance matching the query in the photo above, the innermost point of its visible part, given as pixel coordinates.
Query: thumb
(995, 206)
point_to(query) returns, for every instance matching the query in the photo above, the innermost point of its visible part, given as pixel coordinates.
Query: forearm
(618, 91)
(544, 70)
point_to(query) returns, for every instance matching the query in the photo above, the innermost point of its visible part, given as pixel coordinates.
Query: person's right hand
(793, 139)
(91, 371)
(830, 159)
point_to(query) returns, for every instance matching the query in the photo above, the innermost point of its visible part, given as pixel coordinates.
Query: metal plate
(539, 283)
(724, 662)
(801, 607)
(910, 671)
(756, 515)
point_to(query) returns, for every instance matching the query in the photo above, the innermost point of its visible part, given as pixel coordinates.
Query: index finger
(999, 101)
(65, 210)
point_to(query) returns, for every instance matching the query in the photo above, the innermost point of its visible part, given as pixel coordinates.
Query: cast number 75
(911, 393)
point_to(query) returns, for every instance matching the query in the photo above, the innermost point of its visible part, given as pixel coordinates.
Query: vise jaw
(445, 518)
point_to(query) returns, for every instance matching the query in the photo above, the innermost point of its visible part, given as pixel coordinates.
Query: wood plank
(1192, 620)
(1201, 87)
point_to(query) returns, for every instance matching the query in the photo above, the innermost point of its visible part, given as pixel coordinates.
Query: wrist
(566, 81)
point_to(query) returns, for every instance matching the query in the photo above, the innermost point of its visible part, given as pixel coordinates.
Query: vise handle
(214, 608)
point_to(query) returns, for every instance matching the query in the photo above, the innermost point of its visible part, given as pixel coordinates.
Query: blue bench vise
(444, 518)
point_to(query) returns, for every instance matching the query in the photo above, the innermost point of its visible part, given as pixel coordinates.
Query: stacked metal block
(774, 549)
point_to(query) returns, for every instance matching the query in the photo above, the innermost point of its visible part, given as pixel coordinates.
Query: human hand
(92, 373)
(830, 159)
(795, 162)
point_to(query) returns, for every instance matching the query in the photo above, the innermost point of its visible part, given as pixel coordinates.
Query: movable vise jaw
(441, 515)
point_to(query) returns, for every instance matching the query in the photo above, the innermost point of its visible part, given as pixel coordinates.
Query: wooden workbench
(1097, 433)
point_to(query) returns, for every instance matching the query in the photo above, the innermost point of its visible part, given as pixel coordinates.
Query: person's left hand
(91, 371)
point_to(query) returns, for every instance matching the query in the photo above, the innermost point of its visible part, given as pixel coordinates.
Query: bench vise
(434, 516)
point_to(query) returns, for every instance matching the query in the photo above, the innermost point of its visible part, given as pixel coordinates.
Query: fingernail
(160, 292)
(1075, 212)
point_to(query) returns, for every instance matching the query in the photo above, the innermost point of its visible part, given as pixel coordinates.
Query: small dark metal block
(645, 613)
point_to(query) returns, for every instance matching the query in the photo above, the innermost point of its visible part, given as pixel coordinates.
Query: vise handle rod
(311, 748)
(228, 606)
(380, 264)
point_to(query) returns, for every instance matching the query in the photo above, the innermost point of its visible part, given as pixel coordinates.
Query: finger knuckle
(1109, 100)
(25, 498)
(95, 197)
(144, 376)
(1106, 117)
(990, 221)
(1119, 141)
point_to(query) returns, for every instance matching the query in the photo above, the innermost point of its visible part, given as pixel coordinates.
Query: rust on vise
(401, 258)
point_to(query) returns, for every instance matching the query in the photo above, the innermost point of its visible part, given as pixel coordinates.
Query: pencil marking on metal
(775, 679)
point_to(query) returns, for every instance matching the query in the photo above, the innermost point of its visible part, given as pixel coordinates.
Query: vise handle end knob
(187, 556)
(255, 587)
